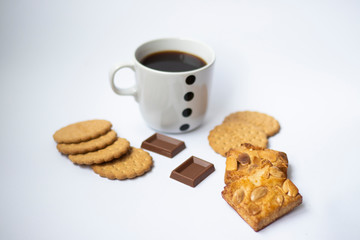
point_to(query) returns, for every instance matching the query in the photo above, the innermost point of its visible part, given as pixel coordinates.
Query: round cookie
(267, 123)
(232, 134)
(82, 131)
(120, 147)
(88, 146)
(135, 163)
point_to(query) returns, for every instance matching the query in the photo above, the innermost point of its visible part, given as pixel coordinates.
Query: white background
(295, 60)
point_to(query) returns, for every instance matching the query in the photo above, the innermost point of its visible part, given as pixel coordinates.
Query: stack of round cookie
(243, 127)
(94, 143)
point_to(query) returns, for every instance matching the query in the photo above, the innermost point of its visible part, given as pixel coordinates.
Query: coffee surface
(173, 61)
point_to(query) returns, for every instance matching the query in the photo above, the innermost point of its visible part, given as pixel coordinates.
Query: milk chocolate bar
(192, 171)
(163, 145)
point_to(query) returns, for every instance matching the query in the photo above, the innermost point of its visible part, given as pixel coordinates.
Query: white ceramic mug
(172, 102)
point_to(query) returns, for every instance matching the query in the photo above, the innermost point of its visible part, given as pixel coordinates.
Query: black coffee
(173, 61)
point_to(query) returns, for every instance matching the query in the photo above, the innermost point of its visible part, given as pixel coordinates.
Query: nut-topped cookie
(243, 160)
(262, 200)
(257, 187)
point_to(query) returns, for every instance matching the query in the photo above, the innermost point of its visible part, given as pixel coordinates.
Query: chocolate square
(163, 145)
(192, 171)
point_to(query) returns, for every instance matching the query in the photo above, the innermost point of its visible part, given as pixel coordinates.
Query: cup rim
(208, 64)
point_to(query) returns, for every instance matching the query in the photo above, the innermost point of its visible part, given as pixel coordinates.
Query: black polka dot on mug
(187, 112)
(188, 96)
(184, 127)
(190, 79)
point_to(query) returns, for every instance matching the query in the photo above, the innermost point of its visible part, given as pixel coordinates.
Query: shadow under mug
(171, 102)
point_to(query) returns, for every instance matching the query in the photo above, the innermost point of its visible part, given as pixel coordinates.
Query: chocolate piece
(163, 145)
(192, 171)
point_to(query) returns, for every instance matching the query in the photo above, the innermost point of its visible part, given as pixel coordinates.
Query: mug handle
(122, 91)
